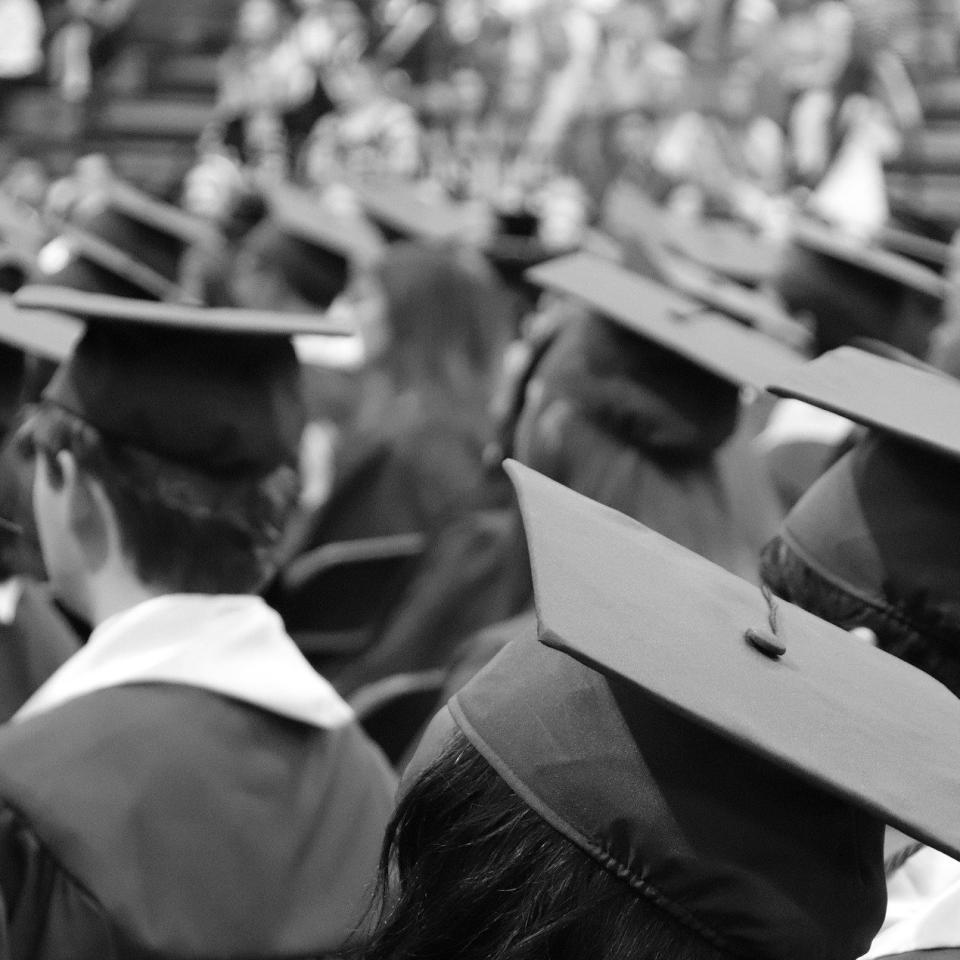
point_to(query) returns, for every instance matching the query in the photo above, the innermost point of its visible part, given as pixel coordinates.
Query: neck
(113, 592)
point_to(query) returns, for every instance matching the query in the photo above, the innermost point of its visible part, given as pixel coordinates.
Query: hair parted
(181, 529)
(470, 871)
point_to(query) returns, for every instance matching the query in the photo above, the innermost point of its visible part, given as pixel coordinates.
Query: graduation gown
(124, 832)
(148, 811)
(34, 641)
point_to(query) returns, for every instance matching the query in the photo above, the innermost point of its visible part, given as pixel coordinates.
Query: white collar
(232, 645)
(923, 906)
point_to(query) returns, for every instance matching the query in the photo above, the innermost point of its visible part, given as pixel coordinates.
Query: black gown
(32, 646)
(159, 820)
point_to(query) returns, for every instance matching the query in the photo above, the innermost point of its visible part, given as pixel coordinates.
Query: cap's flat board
(400, 206)
(725, 248)
(93, 307)
(651, 310)
(913, 403)
(40, 332)
(833, 244)
(301, 214)
(838, 712)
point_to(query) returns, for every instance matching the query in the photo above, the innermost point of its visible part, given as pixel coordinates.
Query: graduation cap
(216, 390)
(732, 758)
(42, 333)
(723, 247)
(403, 211)
(829, 242)
(125, 233)
(81, 260)
(883, 523)
(315, 242)
(710, 341)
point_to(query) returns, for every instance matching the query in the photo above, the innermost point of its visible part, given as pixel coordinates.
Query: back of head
(604, 405)
(848, 301)
(449, 321)
(462, 844)
(874, 544)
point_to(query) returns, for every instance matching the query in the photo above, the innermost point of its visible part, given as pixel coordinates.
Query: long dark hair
(470, 872)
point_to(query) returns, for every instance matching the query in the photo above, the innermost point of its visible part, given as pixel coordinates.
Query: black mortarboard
(402, 211)
(217, 390)
(149, 232)
(883, 523)
(314, 244)
(732, 758)
(723, 247)
(907, 273)
(83, 261)
(648, 309)
(42, 333)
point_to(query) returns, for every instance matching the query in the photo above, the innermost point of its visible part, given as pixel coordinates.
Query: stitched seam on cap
(620, 870)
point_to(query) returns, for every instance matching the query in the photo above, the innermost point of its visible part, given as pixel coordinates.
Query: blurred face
(352, 85)
(258, 22)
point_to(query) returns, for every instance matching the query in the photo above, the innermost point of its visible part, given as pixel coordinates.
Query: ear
(91, 514)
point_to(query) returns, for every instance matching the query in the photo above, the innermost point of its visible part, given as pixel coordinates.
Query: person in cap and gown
(671, 767)
(629, 402)
(851, 291)
(640, 423)
(412, 461)
(185, 785)
(35, 639)
(873, 547)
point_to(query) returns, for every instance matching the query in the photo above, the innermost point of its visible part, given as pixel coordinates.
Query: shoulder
(202, 825)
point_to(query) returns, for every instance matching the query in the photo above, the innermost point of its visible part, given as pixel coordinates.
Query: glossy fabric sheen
(165, 821)
(735, 848)
(883, 524)
(177, 394)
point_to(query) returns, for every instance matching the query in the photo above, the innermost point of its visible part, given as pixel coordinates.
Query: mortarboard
(216, 390)
(724, 247)
(830, 243)
(81, 260)
(650, 310)
(883, 523)
(43, 333)
(314, 243)
(129, 235)
(730, 757)
(402, 211)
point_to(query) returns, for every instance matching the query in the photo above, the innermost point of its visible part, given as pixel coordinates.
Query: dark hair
(182, 530)
(449, 318)
(907, 627)
(470, 871)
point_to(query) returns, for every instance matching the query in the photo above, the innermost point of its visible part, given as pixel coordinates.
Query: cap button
(768, 645)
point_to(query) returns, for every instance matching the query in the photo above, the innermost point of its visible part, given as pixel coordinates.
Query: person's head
(603, 398)
(672, 768)
(464, 853)
(302, 254)
(103, 506)
(874, 544)
(166, 447)
(444, 322)
(850, 292)
(274, 270)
